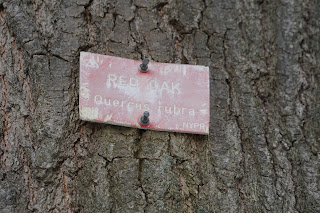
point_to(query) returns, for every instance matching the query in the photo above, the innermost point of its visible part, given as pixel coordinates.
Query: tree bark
(263, 150)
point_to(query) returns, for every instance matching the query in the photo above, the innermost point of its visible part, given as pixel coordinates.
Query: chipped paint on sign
(89, 112)
(113, 90)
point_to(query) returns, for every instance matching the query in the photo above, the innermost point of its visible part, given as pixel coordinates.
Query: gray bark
(263, 151)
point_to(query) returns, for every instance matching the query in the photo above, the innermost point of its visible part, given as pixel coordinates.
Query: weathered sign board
(113, 90)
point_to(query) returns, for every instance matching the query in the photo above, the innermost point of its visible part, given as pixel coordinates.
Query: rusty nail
(144, 120)
(144, 66)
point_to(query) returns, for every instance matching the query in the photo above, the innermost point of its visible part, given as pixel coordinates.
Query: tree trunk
(263, 150)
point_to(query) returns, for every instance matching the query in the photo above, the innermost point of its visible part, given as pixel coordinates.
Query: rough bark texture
(263, 151)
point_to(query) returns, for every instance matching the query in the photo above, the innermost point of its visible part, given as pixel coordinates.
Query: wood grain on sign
(114, 91)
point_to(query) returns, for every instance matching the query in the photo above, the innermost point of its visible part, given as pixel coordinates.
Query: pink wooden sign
(114, 91)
